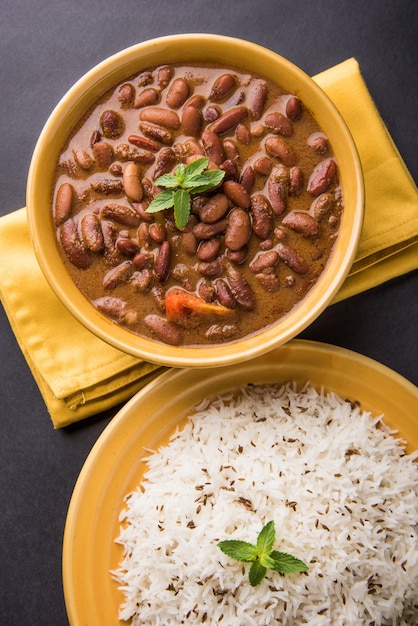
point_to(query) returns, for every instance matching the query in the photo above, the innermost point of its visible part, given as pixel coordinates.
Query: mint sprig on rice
(262, 556)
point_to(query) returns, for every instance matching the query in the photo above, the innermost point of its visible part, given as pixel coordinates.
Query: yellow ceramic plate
(113, 467)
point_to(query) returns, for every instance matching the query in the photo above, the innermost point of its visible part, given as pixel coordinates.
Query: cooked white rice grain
(338, 485)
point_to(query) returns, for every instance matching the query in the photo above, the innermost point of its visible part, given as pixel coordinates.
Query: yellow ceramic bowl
(197, 48)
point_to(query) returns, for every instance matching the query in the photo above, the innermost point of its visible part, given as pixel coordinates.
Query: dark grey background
(44, 48)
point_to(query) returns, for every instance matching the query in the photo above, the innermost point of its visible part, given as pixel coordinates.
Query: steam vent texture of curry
(253, 244)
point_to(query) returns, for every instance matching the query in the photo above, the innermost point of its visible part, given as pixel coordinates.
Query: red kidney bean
(143, 142)
(162, 262)
(279, 123)
(146, 97)
(294, 108)
(230, 168)
(301, 223)
(242, 134)
(126, 94)
(144, 240)
(194, 147)
(143, 260)
(192, 121)
(63, 203)
(222, 87)
(121, 213)
(178, 93)
(157, 232)
(189, 242)
(231, 150)
(118, 275)
(323, 205)
(278, 188)
(117, 309)
(263, 260)
(242, 291)
(238, 230)
(262, 216)
(236, 193)
(160, 117)
(166, 160)
(164, 330)
(115, 169)
(208, 249)
(269, 281)
(206, 231)
(280, 233)
(322, 177)
(210, 268)
(107, 187)
(74, 248)
(141, 209)
(237, 256)
(318, 142)
(112, 124)
(280, 149)
(292, 258)
(228, 120)
(91, 232)
(263, 165)
(110, 234)
(132, 182)
(164, 76)
(247, 178)
(224, 294)
(125, 152)
(158, 133)
(95, 137)
(206, 290)
(84, 160)
(295, 181)
(214, 209)
(213, 146)
(256, 99)
(103, 154)
(196, 101)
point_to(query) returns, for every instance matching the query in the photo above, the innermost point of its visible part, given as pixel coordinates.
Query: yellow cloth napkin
(389, 241)
(79, 375)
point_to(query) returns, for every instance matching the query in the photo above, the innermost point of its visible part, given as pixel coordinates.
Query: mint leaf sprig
(179, 187)
(262, 556)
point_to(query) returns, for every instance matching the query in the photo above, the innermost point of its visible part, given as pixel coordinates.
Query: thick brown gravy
(253, 247)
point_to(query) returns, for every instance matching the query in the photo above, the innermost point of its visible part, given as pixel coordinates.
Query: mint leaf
(266, 538)
(164, 200)
(238, 550)
(195, 168)
(180, 174)
(286, 563)
(181, 207)
(262, 555)
(187, 179)
(167, 180)
(207, 180)
(256, 573)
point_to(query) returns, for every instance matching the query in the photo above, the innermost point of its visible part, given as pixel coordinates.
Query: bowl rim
(266, 339)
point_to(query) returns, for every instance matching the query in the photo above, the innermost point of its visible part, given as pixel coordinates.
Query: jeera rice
(339, 486)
